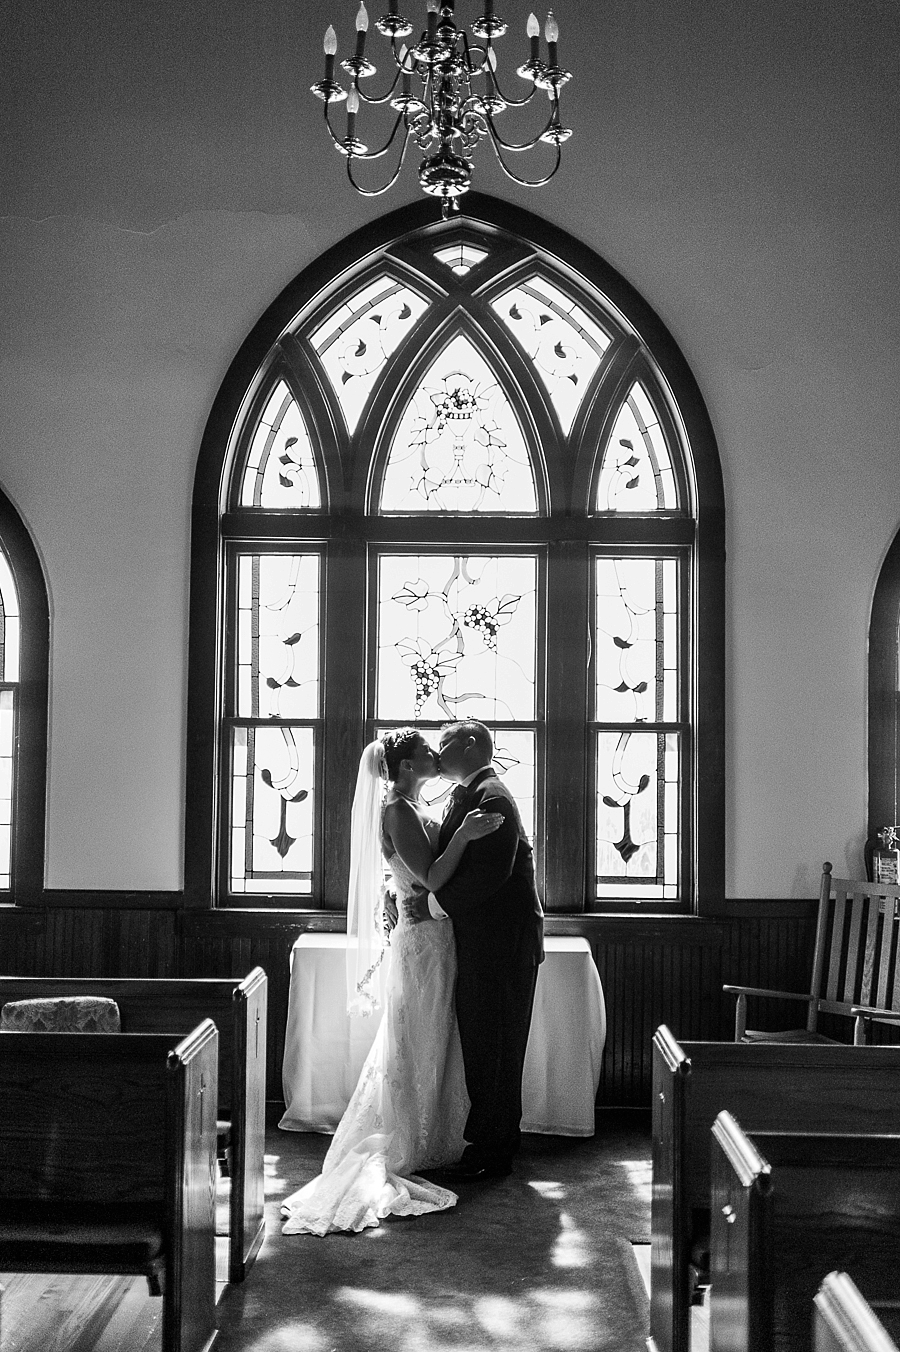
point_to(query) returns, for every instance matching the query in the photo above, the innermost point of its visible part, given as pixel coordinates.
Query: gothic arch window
(24, 668)
(459, 469)
(884, 696)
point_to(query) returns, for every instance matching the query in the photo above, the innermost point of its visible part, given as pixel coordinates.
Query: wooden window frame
(884, 695)
(348, 532)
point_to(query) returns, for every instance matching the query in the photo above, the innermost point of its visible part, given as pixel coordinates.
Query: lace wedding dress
(410, 1105)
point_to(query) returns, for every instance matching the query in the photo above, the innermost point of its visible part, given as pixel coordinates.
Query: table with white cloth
(325, 1048)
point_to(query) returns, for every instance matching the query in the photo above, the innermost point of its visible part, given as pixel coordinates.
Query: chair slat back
(859, 931)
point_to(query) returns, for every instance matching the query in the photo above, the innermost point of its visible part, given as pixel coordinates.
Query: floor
(540, 1261)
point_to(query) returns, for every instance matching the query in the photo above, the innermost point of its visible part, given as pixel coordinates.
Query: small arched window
(884, 696)
(24, 667)
(460, 470)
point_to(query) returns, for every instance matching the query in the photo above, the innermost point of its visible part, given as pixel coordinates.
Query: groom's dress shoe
(468, 1171)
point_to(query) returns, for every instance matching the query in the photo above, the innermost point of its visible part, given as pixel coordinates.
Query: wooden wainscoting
(654, 969)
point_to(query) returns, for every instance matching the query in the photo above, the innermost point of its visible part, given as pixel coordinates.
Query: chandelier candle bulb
(406, 83)
(330, 45)
(551, 33)
(362, 27)
(533, 29)
(432, 19)
(352, 110)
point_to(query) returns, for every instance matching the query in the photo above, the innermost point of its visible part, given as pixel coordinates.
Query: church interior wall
(166, 176)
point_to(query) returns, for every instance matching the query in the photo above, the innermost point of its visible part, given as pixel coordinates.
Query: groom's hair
(398, 744)
(470, 727)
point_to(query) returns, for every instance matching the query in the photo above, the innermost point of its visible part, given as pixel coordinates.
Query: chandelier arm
(376, 192)
(378, 154)
(508, 99)
(511, 146)
(524, 182)
(376, 98)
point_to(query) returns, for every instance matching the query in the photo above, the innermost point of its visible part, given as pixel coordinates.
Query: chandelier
(446, 94)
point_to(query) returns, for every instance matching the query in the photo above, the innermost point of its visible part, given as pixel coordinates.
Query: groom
(498, 926)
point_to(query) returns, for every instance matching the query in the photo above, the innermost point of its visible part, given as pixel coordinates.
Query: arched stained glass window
(459, 446)
(281, 469)
(564, 343)
(523, 524)
(636, 473)
(355, 342)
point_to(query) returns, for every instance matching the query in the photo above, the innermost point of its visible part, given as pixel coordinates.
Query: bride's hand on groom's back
(477, 824)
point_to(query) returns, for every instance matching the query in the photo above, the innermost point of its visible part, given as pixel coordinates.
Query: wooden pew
(238, 1009)
(844, 1321)
(107, 1164)
(787, 1207)
(768, 1086)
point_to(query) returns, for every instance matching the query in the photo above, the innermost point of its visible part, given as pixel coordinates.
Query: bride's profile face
(423, 761)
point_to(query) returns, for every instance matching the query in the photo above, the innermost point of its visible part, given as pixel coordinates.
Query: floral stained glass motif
(9, 623)
(281, 466)
(636, 474)
(459, 446)
(272, 809)
(456, 637)
(278, 636)
(460, 258)
(355, 342)
(565, 344)
(636, 640)
(637, 840)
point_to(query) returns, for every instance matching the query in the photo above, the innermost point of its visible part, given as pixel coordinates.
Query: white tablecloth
(324, 1048)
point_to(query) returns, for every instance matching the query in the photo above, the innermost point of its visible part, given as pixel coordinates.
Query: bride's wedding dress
(410, 1105)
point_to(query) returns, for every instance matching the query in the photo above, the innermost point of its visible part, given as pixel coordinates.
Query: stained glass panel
(355, 342)
(7, 765)
(9, 623)
(459, 446)
(637, 842)
(281, 466)
(636, 640)
(636, 474)
(456, 637)
(460, 258)
(272, 809)
(278, 636)
(564, 343)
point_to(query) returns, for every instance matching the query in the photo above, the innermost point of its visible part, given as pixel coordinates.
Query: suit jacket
(491, 898)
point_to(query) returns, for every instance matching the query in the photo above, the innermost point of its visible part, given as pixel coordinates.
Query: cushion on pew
(130, 1237)
(63, 1014)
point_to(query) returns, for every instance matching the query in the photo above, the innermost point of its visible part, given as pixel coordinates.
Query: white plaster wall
(163, 176)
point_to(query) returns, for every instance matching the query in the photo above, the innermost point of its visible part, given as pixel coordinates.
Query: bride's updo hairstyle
(398, 745)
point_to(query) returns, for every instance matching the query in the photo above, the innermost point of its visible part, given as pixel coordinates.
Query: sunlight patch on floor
(572, 1246)
(550, 1191)
(541, 1320)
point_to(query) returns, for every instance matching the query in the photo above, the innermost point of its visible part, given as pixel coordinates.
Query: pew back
(768, 1087)
(238, 1007)
(786, 1208)
(102, 1132)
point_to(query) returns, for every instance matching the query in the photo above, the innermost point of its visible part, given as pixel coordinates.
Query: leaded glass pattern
(7, 767)
(460, 258)
(281, 467)
(355, 342)
(9, 623)
(637, 816)
(565, 345)
(636, 640)
(456, 637)
(277, 636)
(636, 473)
(459, 446)
(272, 808)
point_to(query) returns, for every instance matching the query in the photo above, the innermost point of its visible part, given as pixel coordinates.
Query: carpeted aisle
(541, 1260)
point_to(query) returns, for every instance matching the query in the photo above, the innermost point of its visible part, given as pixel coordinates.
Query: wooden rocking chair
(855, 969)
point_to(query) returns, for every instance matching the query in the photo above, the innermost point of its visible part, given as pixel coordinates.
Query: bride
(409, 1107)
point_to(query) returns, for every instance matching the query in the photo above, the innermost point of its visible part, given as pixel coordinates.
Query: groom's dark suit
(498, 925)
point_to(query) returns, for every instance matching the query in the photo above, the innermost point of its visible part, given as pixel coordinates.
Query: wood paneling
(654, 969)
